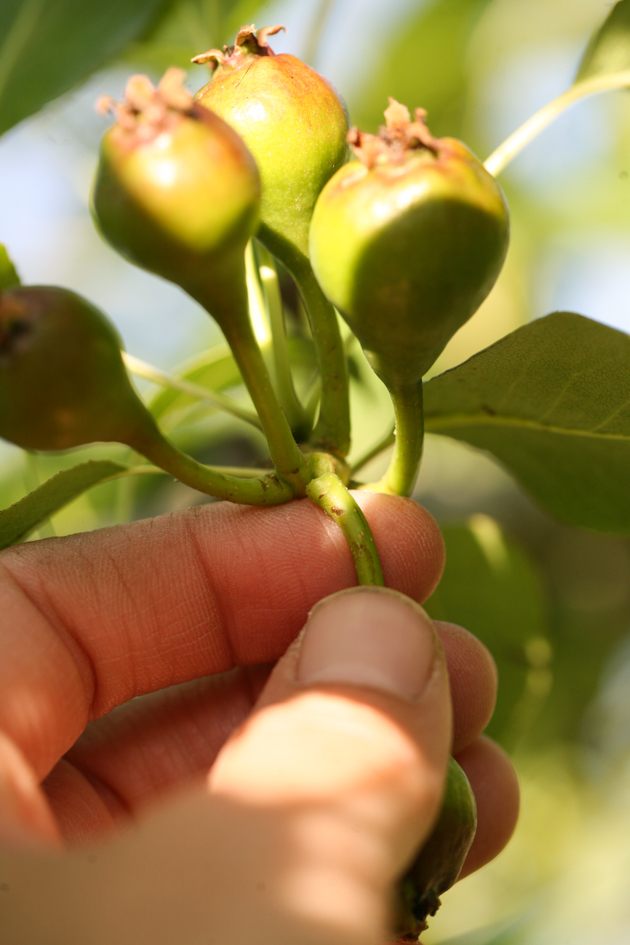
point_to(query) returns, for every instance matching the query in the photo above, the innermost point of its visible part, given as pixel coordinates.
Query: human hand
(270, 808)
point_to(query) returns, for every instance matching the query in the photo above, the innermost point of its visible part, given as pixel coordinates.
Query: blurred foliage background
(552, 603)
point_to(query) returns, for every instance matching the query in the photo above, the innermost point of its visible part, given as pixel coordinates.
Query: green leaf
(551, 401)
(190, 27)
(48, 47)
(214, 370)
(609, 49)
(17, 521)
(485, 574)
(8, 272)
(425, 65)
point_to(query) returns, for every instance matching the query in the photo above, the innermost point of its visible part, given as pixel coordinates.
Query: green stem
(247, 472)
(540, 120)
(329, 493)
(296, 414)
(284, 451)
(332, 430)
(258, 313)
(400, 477)
(231, 310)
(312, 393)
(264, 490)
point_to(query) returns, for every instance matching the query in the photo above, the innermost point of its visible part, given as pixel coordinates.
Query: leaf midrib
(436, 424)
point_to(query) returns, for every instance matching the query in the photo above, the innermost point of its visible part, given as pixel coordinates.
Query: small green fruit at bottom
(440, 860)
(176, 191)
(62, 379)
(293, 122)
(407, 241)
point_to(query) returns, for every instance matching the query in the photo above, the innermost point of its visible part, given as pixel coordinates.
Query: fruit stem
(296, 414)
(230, 308)
(540, 120)
(263, 490)
(329, 493)
(400, 477)
(258, 313)
(284, 451)
(332, 429)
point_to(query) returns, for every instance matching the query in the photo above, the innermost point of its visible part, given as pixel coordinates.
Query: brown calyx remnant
(14, 324)
(147, 110)
(249, 41)
(395, 139)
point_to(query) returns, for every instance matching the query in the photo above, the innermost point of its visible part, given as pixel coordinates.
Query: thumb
(347, 749)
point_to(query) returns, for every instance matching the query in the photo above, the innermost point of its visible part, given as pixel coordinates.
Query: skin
(247, 803)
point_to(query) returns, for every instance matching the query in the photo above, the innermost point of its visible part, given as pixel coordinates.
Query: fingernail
(369, 636)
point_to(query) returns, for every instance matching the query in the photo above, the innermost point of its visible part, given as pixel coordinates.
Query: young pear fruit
(407, 241)
(292, 121)
(62, 378)
(176, 192)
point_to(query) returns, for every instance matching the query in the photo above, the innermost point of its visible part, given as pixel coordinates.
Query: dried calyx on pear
(395, 138)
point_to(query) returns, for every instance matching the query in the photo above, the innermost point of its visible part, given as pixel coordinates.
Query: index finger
(91, 621)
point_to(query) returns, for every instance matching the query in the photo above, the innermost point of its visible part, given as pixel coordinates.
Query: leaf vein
(438, 424)
(611, 416)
